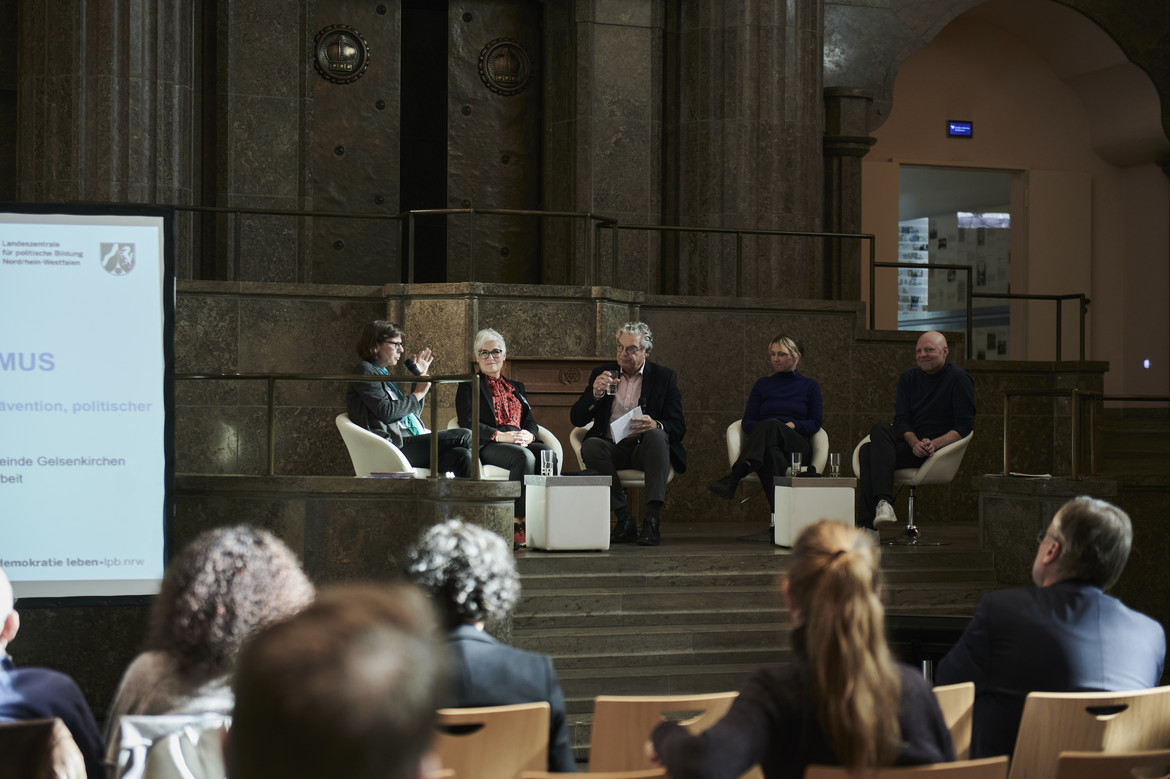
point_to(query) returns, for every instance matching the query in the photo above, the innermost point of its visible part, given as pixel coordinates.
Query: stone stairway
(1134, 441)
(699, 613)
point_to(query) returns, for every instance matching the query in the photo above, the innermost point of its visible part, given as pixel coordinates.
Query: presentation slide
(86, 312)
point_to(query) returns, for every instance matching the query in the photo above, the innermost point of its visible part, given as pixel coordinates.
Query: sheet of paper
(620, 427)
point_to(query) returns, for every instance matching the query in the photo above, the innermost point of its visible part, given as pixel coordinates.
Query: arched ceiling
(1120, 101)
(865, 45)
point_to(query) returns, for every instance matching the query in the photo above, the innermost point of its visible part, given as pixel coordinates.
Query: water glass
(613, 382)
(547, 462)
(835, 464)
(796, 458)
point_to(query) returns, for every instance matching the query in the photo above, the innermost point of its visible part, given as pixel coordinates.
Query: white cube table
(802, 500)
(567, 512)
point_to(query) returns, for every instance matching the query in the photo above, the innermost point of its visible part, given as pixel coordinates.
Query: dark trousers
(518, 461)
(454, 451)
(766, 451)
(649, 452)
(886, 452)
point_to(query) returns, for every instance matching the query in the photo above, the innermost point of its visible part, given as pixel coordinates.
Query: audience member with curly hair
(226, 585)
(470, 574)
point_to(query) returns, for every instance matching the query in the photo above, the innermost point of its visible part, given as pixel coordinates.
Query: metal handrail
(597, 221)
(1100, 399)
(1077, 395)
(1008, 394)
(873, 266)
(1059, 299)
(272, 378)
(739, 233)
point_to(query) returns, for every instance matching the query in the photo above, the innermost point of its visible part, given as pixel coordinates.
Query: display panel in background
(86, 378)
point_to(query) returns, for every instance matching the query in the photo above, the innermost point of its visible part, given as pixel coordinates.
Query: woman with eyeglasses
(783, 414)
(507, 430)
(387, 411)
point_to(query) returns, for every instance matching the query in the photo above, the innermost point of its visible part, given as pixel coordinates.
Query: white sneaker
(884, 515)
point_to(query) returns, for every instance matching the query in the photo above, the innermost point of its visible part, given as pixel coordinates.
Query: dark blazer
(487, 409)
(371, 405)
(1068, 637)
(660, 399)
(488, 673)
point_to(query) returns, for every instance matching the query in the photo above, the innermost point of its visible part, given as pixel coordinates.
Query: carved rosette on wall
(569, 376)
(505, 67)
(340, 54)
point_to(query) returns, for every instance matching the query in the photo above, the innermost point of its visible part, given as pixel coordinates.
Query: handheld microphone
(412, 366)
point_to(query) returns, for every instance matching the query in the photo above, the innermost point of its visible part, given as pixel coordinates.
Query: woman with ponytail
(842, 701)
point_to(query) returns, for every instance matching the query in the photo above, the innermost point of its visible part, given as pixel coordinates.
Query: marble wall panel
(308, 443)
(62, 638)
(206, 333)
(539, 328)
(1142, 584)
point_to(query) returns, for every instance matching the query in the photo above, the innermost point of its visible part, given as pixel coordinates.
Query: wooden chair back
(622, 724)
(493, 742)
(649, 773)
(1088, 721)
(1151, 764)
(39, 749)
(957, 702)
(987, 768)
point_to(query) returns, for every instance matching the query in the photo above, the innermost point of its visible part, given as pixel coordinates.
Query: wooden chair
(1055, 722)
(957, 702)
(372, 453)
(622, 724)
(493, 742)
(39, 749)
(1153, 764)
(649, 773)
(987, 768)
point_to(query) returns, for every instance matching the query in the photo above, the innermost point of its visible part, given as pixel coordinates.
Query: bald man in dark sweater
(935, 407)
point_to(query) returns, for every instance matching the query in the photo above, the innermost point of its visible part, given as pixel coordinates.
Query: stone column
(748, 155)
(603, 134)
(106, 102)
(846, 142)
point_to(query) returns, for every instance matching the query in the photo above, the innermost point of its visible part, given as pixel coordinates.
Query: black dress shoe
(649, 534)
(725, 487)
(625, 531)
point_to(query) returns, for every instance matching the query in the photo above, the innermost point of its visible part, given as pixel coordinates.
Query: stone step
(702, 615)
(582, 610)
(648, 640)
(632, 569)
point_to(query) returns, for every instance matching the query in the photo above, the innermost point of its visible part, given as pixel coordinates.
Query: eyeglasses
(1043, 534)
(630, 350)
(396, 344)
(494, 353)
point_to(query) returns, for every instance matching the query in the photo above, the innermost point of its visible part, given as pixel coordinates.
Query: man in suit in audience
(1063, 635)
(39, 693)
(935, 406)
(653, 442)
(348, 687)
